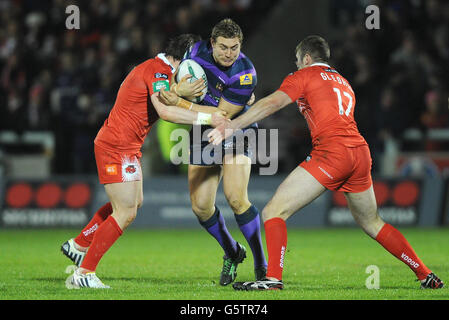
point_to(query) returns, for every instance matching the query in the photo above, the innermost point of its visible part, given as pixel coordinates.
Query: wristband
(184, 104)
(203, 118)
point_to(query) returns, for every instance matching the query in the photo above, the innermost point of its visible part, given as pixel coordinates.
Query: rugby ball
(192, 67)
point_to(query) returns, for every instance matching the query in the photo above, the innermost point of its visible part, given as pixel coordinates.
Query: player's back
(327, 102)
(131, 117)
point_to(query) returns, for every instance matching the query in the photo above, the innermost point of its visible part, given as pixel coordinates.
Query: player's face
(226, 50)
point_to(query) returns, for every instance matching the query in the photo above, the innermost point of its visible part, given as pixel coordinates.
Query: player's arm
(260, 110)
(171, 98)
(183, 116)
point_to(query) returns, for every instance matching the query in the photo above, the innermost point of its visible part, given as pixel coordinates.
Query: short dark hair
(228, 29)
(178, 45)
(316, 47)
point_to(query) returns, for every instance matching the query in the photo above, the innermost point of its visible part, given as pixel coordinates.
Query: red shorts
(341, 168)
(114, 167)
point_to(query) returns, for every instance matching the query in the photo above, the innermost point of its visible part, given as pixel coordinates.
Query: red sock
(392, 240)
(108, 232)
(84, 239)
(276, 238)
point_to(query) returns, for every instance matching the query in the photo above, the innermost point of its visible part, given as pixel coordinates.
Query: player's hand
(221, 131)
(218, 118)
(252, 99)
(187, 89)
(168, 98)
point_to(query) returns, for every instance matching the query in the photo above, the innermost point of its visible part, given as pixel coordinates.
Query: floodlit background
(57, 86)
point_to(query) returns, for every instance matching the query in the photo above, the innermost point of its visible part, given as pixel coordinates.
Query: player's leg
(125, 198)
(75, 249)
(296, 191)
(364, 209)
(203, 185)
(236, 174)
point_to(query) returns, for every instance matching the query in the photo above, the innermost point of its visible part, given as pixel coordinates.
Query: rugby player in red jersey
(117, 153)
(340, 160)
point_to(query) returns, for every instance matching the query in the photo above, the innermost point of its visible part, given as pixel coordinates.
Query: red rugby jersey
(327, 101)
(133, 114)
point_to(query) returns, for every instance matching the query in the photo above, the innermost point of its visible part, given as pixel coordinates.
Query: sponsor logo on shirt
(246, 79)
(160, 75)
(161, 84)
(219, 86)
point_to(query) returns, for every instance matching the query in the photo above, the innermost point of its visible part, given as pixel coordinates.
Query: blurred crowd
(52, 78)
(398, 72)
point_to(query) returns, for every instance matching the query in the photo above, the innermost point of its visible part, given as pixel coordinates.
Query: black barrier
(55, 202)
(398, 201)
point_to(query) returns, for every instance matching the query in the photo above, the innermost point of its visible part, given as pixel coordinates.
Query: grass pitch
(322, 264)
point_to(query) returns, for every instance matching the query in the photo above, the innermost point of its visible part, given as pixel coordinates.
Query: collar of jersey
(164, 58)
(320, 64)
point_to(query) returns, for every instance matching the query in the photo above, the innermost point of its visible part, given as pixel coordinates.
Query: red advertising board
(57, 202)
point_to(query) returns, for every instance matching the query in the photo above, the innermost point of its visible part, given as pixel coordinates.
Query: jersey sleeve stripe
(243, 92)
(212, 68)
(195, 49)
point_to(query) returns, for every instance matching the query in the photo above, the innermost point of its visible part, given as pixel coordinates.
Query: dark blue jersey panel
(234, 84)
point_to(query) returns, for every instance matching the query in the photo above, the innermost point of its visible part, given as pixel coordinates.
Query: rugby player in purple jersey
(231, 80)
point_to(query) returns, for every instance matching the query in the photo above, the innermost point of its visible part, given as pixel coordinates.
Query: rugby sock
(249, 224)
(105, 236)
(216, 227)
(395, 243)
(276, 237)
(84, 239)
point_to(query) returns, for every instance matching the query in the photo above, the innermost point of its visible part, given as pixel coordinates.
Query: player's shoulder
(155, 67)
(198, 49)
(242, 73)
(244, 63)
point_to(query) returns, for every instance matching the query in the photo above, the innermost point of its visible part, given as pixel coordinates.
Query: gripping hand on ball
(185, 88)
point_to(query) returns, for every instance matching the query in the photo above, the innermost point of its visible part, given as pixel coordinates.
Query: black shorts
(203, 153)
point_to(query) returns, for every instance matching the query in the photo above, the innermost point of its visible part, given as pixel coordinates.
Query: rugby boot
(431, 282)
(69, 249)
(264, 284)
(229, 270)
(88, 280)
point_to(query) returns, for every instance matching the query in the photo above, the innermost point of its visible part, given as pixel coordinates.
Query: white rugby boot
(86, 280)
(69, 249)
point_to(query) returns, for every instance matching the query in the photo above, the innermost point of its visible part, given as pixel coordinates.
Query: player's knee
(237, 205)
(203, 209)
(237, 202)
(270, 212)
